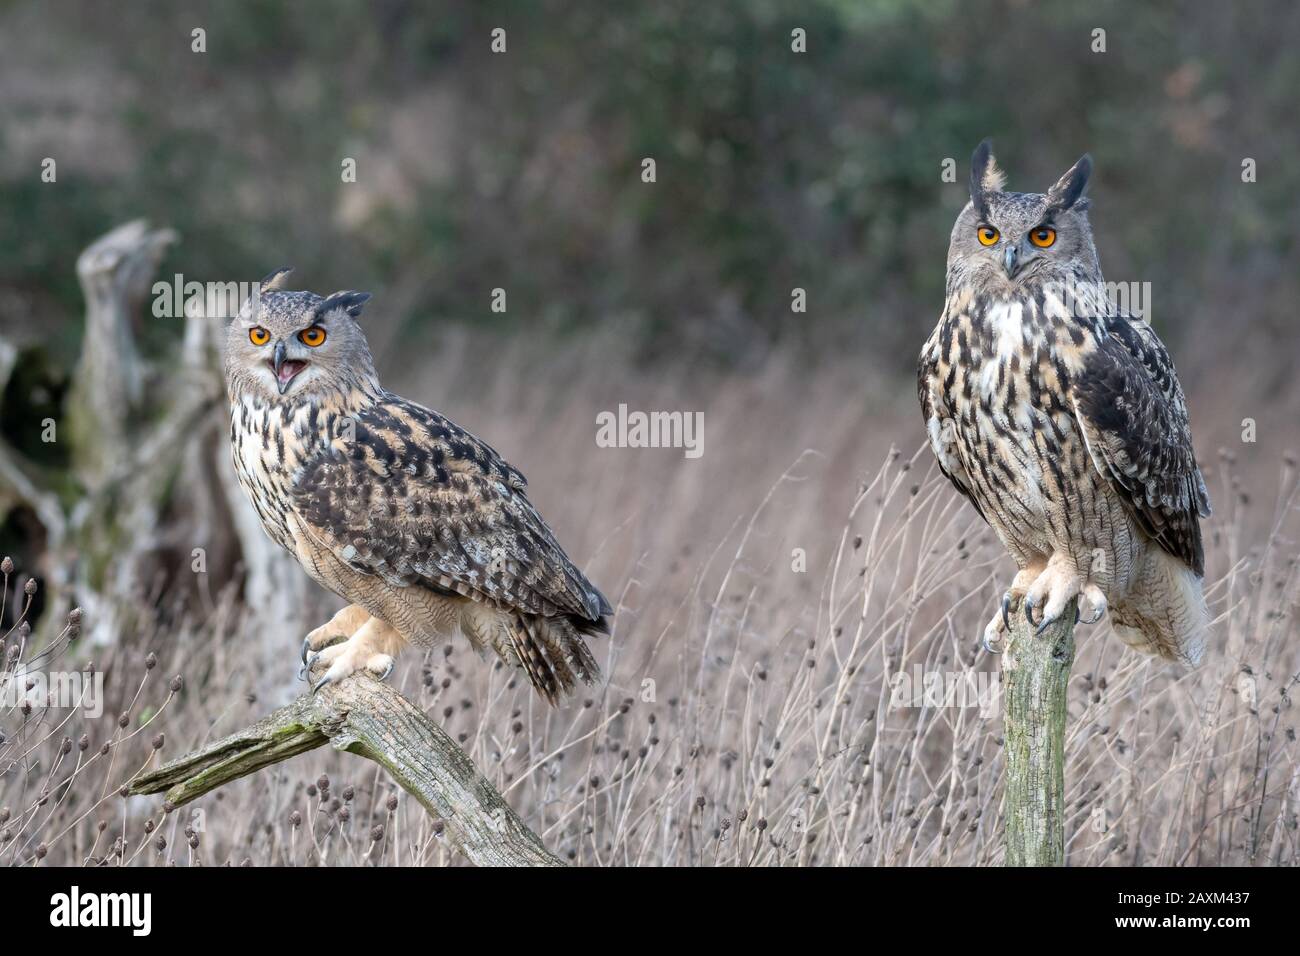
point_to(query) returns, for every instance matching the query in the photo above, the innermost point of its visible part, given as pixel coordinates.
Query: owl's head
(292, 346)
(1003, 239)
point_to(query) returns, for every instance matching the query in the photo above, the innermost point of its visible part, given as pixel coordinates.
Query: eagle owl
(421, 527)
(1062, 421)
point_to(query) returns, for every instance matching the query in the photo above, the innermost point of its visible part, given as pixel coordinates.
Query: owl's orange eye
(258, 335)
(312, 337)
(1043, 236)
(987, 235)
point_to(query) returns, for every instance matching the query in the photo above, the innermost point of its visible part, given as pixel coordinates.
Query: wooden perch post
(1035, 683)
(367, 717)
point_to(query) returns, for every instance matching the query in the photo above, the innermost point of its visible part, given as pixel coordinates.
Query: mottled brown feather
(1134, 416)
(439, 507)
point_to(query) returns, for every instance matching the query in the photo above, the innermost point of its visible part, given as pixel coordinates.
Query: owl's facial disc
(295, 348)
(1005, 241)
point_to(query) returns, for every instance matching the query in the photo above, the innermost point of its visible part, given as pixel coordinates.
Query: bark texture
(367, 717)
(1035, 684)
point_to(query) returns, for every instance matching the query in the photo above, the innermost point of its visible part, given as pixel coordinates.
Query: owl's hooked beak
(285, 369)
(1010, 261)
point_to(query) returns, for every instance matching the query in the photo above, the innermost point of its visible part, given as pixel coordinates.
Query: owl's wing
(1131, 409)
(938, 421)
(415, 499)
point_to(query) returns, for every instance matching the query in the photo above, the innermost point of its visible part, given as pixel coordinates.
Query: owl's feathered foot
(998, 630)
(348, 658)
(1058, 585)
(1092, 598)
(338, 629)
(370, 648)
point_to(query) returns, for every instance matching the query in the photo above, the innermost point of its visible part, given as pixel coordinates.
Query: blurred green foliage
(775, 169)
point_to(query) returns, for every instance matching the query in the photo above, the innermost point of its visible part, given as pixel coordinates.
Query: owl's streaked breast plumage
(1004, 365)
(269, 444)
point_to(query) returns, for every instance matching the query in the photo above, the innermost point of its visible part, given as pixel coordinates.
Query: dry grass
(747, 717)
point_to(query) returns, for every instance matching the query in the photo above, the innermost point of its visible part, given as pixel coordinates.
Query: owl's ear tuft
(276, 279)
(249, 311)
(985, 175)
(349, 302)
(1065, 194)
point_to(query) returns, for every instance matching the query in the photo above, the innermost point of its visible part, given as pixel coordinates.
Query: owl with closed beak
(420, 526)
(1061, 420)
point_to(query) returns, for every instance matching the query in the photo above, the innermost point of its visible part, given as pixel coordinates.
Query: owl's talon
(998, 631)
(307, 663)
(1097, 599)
(1029, 611)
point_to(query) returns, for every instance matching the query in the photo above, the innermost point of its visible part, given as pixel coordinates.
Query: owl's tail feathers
(1165, 613)
(552, 651)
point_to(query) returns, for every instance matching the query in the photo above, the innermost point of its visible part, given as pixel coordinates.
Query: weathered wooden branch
(367, 717)
(1035, 684)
